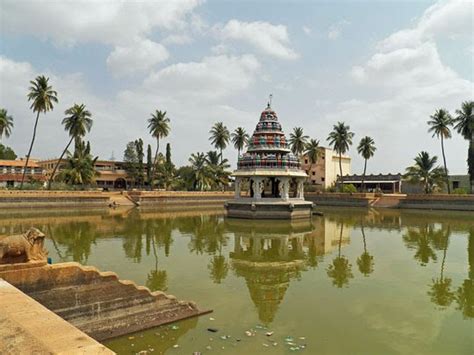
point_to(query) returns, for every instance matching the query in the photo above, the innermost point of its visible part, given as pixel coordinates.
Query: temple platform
(271, 208)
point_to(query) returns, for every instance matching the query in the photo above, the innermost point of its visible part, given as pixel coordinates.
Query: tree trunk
(363, 175)
(470, 163)
(155, 162)
(221, 156)
(59, 162)
(341, 188)
(29, 151)
(363, 237)
(445, 166)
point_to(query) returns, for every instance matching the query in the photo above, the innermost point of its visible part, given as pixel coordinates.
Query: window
(322, 179)
(314, 173)
(306, 161)
(455, 185)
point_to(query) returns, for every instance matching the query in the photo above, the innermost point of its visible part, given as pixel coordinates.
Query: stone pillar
(284, 188)
(257, 187)
(238, 182)
(300, 189)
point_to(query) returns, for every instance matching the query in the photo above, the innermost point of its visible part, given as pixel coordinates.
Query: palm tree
(366, 261)
(201, 175)
(425, 172)
(6, 123)
(77, 123)
(297, 141)
(239, 139)
(220, 136)
(340, 139)
(312, 151)
(465, 126)
(340, 270)
(159, 127)
(439, 124)
(217, 168)
(79, 168)
(366, 148)
(43, 97)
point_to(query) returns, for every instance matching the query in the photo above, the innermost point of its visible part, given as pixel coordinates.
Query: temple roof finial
(269, 104)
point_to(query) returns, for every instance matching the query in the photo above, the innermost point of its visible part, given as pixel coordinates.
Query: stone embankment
(97, 303)
(439, 202)
(340, 199)
(48, 199)
(27, 327)
(169, 198)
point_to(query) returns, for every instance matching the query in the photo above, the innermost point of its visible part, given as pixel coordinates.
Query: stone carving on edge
(21, 248)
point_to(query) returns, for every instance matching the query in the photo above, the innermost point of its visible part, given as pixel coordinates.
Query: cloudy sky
(383, 67)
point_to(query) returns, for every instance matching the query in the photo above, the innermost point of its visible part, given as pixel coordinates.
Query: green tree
(43, 98)
(425, 172)
(168, 154)
(298, 141)
(159, 127)
(220, 136)
(366, 149)
(239, 139)
(419, 238)
(340, 139)
(439, 125)
(201, 176)
(6, 123)
(149, 166)
(218, 268)
(465, 292)
(77, 123)
(312, 150)
(140, 167)
(465, 126)
(7, 153)
(217, 169)
(79, 168)
(130, 158)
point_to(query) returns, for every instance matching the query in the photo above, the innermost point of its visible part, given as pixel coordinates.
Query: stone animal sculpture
(25, 247)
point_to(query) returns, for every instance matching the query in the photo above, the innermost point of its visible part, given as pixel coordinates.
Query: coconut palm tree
(6, 123)
(220, 136)
(340, 139)
(239, 138)
(77, 123)
(465, 126)
(217, 168)
(312, 151)
(43, 98)
(159, 127)
(340, 269)
(366, 261)
(201, 174)
(425, 172)
(439, 124)
(366, 149)
(297, 141)
(79, 168)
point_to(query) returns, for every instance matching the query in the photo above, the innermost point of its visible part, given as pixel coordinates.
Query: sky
(382, 67)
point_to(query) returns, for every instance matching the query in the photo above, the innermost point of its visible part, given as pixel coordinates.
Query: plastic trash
(213, 330)
(174, 327)
(268, 334)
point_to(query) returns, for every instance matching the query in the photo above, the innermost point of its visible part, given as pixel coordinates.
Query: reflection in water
(214, 255)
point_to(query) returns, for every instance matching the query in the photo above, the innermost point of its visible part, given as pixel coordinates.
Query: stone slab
(26, 327)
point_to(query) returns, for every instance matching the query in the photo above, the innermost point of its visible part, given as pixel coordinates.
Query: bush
(460, 191)
(349, 189)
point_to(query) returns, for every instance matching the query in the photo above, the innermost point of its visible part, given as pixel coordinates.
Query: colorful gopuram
(269, 182)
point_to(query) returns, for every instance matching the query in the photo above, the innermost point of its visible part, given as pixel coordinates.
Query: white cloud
(335, 30)
(140, 57)
(177, 39)
(267, 38)
(306, 30)
(113, 22)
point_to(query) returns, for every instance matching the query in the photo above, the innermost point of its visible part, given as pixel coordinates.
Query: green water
(351, 282)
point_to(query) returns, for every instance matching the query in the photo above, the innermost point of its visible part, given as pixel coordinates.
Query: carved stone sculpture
(25, 247)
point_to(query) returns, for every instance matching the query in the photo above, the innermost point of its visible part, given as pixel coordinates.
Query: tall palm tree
(366, 149)
(425, 172)
(312, 151)
(239, 138)
(365, 261)
(340, 269)
(220, 136)
(297, 141)
(159, 127)
(6, 123)
(201, 174)
(77, 123)
(43, 98)
(340, 139)
(439, 124)
(465, 126)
